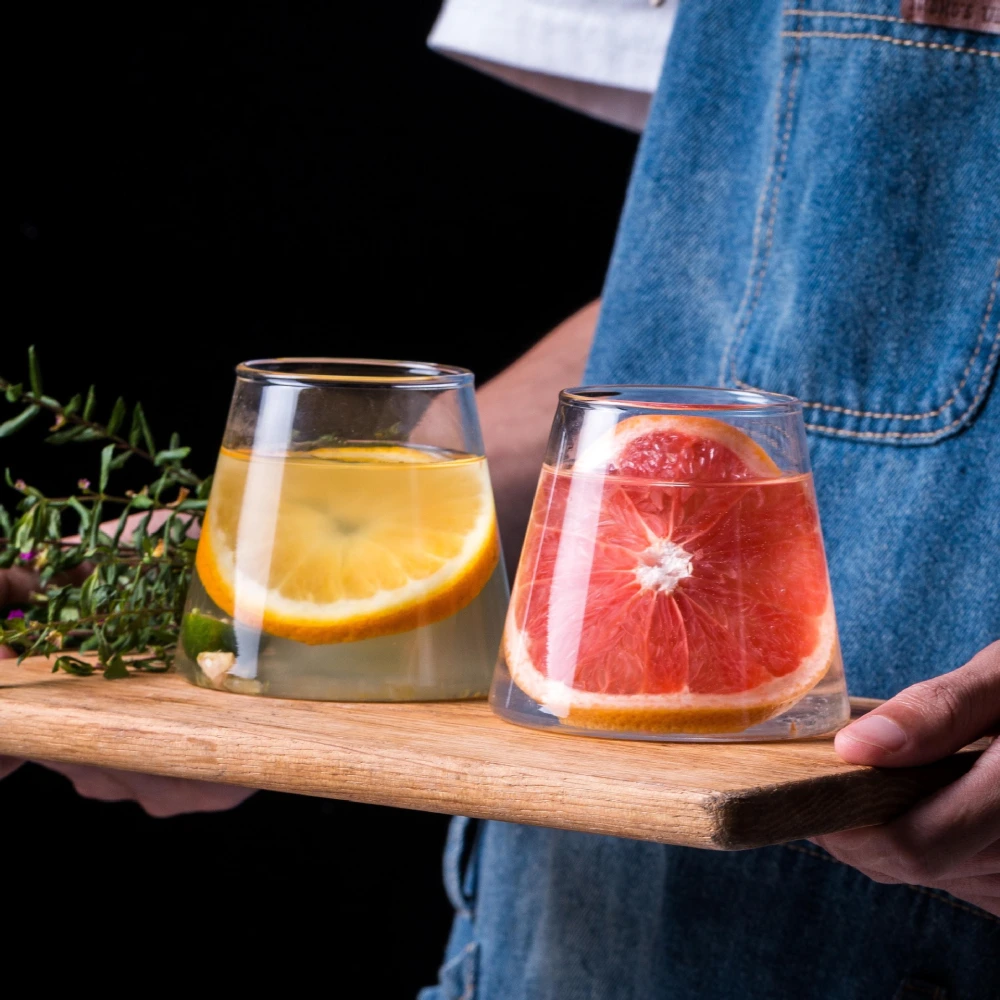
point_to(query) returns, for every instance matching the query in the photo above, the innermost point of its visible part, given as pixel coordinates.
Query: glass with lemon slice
(350, 548)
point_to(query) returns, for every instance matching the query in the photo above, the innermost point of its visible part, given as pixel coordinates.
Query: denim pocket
(872, 292)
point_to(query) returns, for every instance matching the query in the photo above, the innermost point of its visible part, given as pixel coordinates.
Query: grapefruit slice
(672, 581)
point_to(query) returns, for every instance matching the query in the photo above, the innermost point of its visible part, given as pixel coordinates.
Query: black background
(196, 188)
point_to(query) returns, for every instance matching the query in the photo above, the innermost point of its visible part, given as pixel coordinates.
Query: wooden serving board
(455, 757)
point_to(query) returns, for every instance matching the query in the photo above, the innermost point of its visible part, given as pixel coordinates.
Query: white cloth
(602, 57)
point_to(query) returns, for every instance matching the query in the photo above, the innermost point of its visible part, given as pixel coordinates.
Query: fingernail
(877, 731)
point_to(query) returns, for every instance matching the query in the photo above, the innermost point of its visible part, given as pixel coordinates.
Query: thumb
(930, 720)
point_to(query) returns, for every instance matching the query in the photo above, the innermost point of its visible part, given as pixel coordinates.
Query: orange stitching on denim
(942, 431)
(961, 385)
(844, 13)
(951, 399)
(468, 970)
(823, 856)
(906, 42)
(755, 240)
(914, 416)
(773, 181)
(775, 178)
(469, 990)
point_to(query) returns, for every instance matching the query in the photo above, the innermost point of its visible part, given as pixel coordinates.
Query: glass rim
(680, 397)
(382, 373)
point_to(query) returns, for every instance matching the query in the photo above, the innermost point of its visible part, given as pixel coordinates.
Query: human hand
(158, 795)
(950, 840)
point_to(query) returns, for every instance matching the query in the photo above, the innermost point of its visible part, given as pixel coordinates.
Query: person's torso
(815, 210)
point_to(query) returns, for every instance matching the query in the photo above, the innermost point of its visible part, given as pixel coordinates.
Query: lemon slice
(341, 544)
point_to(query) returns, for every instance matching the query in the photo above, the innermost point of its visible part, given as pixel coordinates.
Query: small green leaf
(34, 371)
(139, 421)
(73, 665)
(91, 402)
(73, 405)
(82, 513)
(53, 526)
(107, 453)
(87, 594)
(135, 428)
(139, 534)
(14, 392)
(176, 529)
(121, 525)
(90, 434)
(72, 433)
(24, 533)
(117, 417)
(121, 459)
(95, 525)
(21, 420)
(172, 455)
(156, 488)
(115, 669)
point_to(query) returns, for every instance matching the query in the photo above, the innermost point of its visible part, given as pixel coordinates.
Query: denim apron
(814, 210)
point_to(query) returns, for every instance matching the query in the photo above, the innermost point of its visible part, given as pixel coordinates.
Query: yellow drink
(360, 572)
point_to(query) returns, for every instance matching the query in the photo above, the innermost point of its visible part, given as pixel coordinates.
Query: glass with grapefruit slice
(673, 583)
(349, 550)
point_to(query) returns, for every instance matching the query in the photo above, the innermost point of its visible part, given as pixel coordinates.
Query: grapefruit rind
(677, 712)
(607, 448)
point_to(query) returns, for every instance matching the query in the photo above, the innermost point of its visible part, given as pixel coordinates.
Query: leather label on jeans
(966, 15)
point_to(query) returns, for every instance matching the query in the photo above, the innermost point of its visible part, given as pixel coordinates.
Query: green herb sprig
(116, 589)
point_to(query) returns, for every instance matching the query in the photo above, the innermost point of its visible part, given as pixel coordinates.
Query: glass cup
(673, 583)
(350, 549)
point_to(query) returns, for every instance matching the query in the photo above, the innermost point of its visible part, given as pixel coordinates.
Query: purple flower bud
(83, 484)
(27, 556)
(20, 485)
(15, 614)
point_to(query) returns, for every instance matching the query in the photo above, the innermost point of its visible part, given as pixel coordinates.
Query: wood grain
(454, 758)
